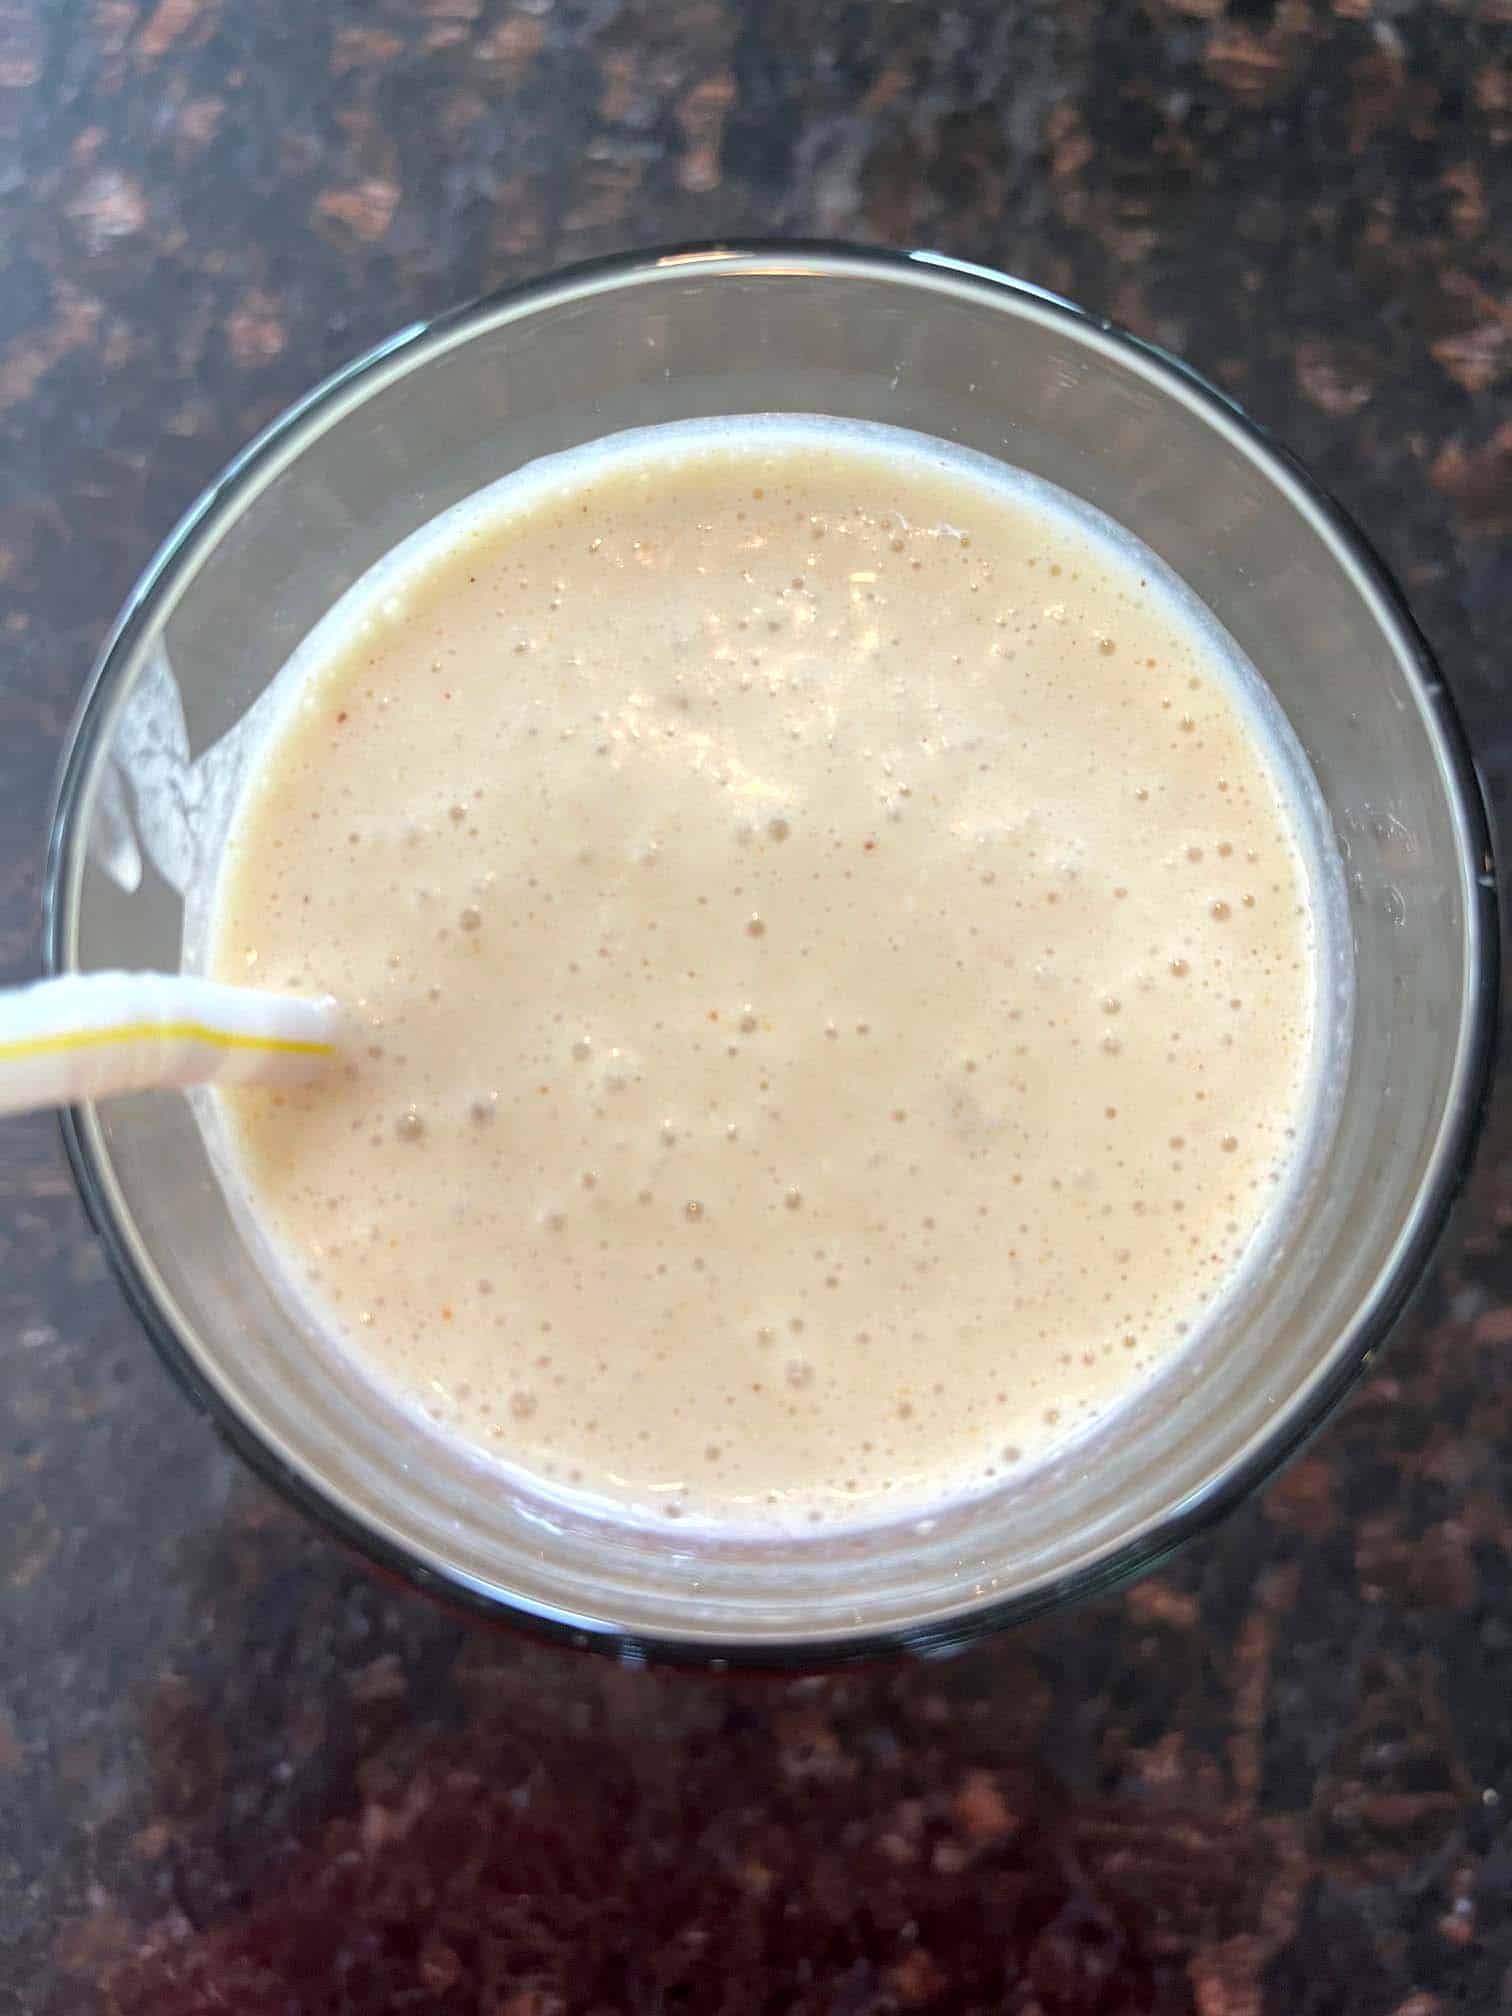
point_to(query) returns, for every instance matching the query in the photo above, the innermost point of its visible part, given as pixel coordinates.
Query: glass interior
(919, 343)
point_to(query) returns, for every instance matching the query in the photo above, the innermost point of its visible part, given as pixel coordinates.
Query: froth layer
(837, 965)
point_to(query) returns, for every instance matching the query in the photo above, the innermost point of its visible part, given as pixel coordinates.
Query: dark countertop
(239, 1773)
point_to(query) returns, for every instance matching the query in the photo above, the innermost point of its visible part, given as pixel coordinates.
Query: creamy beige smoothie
(836, 967)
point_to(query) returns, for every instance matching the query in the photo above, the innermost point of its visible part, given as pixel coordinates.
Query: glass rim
(421, 342)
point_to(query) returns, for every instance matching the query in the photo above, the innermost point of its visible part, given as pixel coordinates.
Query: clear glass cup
(952, 350)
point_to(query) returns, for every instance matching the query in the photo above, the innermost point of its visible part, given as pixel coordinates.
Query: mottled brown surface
(238, 1773)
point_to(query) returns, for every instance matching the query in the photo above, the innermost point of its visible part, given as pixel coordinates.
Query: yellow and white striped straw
(92, 1035)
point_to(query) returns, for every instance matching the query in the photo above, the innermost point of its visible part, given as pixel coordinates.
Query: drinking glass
(952, 350)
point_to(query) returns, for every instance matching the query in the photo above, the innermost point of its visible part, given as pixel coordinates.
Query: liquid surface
(835, 966)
